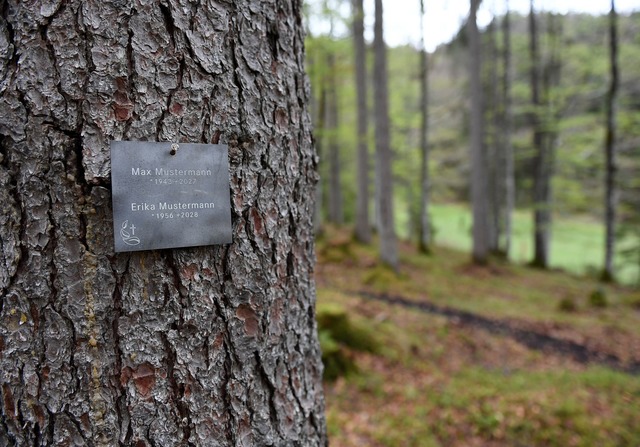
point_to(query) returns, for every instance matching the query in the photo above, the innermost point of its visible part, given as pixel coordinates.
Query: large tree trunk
(479, 189)
(424, 236)
(611, 193)
(384, 180)
(363, 226)
(208, 346)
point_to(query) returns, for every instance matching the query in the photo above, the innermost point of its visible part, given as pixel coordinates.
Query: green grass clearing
(577, 243)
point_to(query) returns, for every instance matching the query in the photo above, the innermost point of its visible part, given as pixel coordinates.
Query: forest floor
(459, 355)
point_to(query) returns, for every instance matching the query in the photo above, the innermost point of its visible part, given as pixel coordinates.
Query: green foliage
(337, 363)
(568, 304)
(336, 251)
(345, 331)
(383, 278)
(635, 303)
(598, 298)
(339, 335)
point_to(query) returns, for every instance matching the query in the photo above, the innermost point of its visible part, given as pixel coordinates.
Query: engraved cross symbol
(133, 229)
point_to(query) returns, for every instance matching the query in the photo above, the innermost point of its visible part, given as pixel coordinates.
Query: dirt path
(532, 339)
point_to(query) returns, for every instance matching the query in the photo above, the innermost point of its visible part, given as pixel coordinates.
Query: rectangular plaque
(168, 195)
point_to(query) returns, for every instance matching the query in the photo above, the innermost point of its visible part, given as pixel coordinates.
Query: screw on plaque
(174, 149)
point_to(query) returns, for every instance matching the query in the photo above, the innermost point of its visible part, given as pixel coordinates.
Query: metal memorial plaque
(168, 195)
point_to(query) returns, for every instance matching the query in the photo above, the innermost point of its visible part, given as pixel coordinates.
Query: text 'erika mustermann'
(164, 206)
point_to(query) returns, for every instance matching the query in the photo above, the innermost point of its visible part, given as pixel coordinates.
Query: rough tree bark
(363, 226)
(210, 346)
(611, 193)
(479, 189)
(384, 179)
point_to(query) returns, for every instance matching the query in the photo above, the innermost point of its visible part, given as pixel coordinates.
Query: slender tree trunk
(363, 226)
(319, 131)
(553, 115)
(207, 346)
(336, 213)
(540, 186)
(317, 110)
(546, 136)
(611, 193)
(424, 243)
(479, 190)
(493, 149)
(384, 179)
(507, 129)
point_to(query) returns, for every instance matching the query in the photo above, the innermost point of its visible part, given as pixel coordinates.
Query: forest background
(576, 106)
(456, 340)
